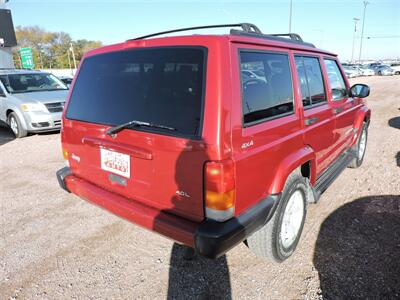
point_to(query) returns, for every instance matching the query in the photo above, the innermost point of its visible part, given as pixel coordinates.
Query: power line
(383, 37)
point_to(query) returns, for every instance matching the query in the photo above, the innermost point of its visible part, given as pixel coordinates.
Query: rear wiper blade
(113, 130)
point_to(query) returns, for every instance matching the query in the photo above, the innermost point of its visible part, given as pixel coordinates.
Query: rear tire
(16, 125)
(360, 147)
(278, 239)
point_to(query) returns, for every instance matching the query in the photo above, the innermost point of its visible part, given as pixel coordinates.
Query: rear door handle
(311, 121)
(337, 110)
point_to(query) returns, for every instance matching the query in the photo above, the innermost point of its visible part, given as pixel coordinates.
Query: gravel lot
(55, 245)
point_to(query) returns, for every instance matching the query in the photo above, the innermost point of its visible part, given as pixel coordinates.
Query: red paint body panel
(162, 165)
(164, 223)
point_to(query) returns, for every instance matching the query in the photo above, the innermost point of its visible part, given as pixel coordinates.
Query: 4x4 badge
(247, 145)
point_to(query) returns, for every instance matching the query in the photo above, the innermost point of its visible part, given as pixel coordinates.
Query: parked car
(374, 65)
(384, 70)
(166, 135)
(365, 71)
(249, 75)
(351, 72)
(31, 101)
(66, 80)
(396, 68)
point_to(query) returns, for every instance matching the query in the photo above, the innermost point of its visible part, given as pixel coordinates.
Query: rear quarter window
(268, 92)
(162, 85)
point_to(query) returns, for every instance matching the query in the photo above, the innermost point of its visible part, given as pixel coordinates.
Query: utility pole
(41, 59)
(39, 46)
(8, 40)
(354, 38)
(69, 63)
(362, 31)
(290, 16)
(73, 54)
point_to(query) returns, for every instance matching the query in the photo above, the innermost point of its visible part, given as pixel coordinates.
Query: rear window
(159, 85)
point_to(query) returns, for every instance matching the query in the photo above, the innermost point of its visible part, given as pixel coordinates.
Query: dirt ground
(56, 246)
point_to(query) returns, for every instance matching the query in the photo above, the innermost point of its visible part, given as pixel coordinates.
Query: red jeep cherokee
(212, 140)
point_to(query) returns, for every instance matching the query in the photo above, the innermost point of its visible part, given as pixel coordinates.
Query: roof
(18, 71)
(204, 40)
(249, 34)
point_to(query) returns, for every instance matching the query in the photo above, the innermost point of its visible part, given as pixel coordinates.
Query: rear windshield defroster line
(163, 85)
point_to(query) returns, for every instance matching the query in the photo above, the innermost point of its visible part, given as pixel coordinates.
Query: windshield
(161, 86)
(37, 82)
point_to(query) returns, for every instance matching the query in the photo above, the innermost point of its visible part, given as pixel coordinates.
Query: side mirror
(2, 94)
(359, 90)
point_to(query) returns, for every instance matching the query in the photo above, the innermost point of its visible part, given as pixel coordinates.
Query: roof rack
(247, 29)
(293, 38)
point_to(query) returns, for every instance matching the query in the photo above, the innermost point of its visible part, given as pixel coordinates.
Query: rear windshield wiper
(113, 130)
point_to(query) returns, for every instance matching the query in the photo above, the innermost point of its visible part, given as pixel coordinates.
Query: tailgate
(160, 166)
(160, 171)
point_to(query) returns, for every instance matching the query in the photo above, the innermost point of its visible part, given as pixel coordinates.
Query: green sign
(26, 58)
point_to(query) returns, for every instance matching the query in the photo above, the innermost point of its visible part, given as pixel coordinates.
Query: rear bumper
(209, 238)
(213, 239)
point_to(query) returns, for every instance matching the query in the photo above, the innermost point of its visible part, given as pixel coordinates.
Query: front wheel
(359, 148)
(278, 239)
(16, 126)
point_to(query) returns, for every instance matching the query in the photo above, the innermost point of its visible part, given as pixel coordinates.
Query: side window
(301, 71)
(311, 80)
(336, 81)
(267, 89)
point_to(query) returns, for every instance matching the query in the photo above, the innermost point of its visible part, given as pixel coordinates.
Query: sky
(328, 24)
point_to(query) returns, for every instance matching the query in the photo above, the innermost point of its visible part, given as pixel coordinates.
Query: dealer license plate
(115, 162)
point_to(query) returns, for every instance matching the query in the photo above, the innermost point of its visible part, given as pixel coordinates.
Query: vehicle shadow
(398, 159)
(357, 250)
(394, 122)
(192, 276)
(48, 132)
(6, 135)
(197, 278)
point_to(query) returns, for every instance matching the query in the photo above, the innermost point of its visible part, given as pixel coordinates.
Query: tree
(83, 46)
(50, 49)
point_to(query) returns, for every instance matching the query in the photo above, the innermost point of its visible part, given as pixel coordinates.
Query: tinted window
(336, 81)
(311, 80)
(268, 92)
(160, 85)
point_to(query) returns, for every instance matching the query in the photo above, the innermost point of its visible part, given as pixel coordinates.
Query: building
(7, 37)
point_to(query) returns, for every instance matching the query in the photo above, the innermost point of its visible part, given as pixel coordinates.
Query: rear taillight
(220, 190)
(66, 156)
